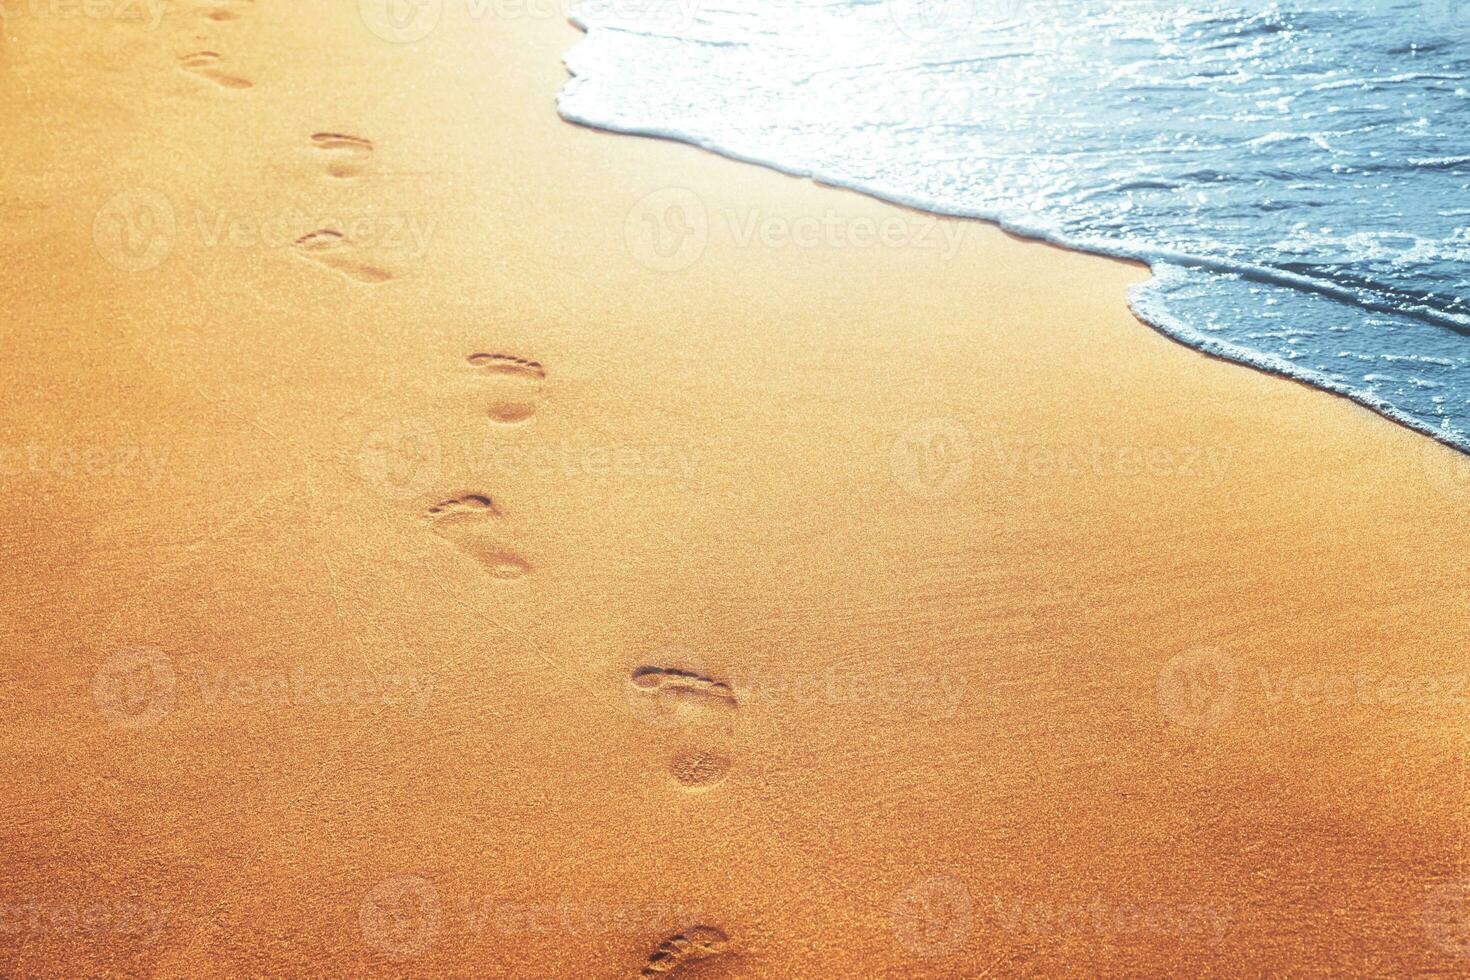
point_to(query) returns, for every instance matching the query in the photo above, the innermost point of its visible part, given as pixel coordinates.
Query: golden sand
(442, 540)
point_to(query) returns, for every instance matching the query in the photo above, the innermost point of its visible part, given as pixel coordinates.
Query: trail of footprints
(208, 63)
(698, 712)
(701, 709)
(342, 156)
(473, 521)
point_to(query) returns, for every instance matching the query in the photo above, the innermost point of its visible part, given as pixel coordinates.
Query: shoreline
(1156, 318)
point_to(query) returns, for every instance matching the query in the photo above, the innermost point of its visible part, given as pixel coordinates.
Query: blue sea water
(1297, 174)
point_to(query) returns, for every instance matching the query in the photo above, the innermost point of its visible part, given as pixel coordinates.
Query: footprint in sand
(515, 385)
(701, 709)
(345, 155)
(206, 64)
(470, 522)
(684, 948)
(224, 10)
(333, 250)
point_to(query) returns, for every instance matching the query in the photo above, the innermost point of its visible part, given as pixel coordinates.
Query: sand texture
(443, 540)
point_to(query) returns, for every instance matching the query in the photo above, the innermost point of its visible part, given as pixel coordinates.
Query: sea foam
(1296, 174)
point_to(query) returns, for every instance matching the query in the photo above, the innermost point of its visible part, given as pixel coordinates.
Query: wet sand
(445, 540)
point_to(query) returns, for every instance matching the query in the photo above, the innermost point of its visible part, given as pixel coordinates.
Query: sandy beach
(444, 540)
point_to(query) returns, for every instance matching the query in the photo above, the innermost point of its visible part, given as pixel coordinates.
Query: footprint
(346, 155)
(516, 385)
(206, 64)
(224, 10)
(702, 711)
(699, 768)
(332, 249)
(469, 523)
(685, 947)
(685, 685)
(471, 503)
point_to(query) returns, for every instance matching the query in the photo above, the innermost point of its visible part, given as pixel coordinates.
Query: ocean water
(1297, 174)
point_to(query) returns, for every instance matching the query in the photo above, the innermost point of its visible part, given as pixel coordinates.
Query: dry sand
(493, 599)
